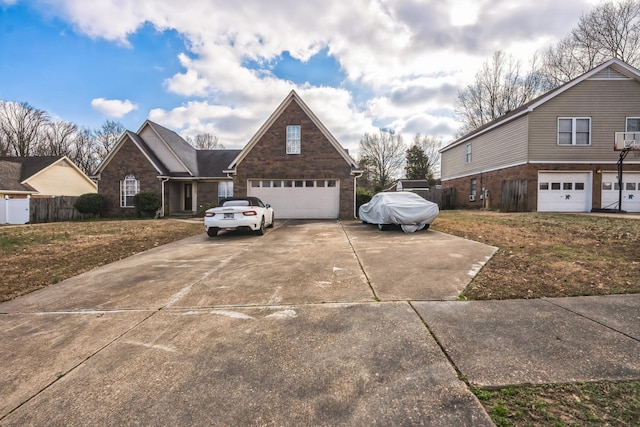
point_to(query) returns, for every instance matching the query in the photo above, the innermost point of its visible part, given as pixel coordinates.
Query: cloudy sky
(223, 66)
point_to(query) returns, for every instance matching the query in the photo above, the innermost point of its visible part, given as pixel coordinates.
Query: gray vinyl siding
(500, 147)
(607, 102)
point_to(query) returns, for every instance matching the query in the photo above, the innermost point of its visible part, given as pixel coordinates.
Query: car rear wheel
(260, 231)
(212, 231)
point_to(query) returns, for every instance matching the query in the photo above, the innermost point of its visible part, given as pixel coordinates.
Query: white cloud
(404, 60)
(113, 107)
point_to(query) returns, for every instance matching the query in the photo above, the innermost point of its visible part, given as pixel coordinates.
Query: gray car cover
(406, 209)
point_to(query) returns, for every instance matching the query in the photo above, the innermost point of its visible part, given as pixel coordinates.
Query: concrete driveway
(315, 323)
(310, 324)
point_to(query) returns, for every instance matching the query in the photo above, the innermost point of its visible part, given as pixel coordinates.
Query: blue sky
(222, 67)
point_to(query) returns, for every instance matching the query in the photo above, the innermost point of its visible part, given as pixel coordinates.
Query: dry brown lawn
(540, 255)
(550, 255)
(38, 255)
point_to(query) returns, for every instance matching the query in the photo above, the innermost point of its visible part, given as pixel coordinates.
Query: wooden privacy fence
(53, 209)
(443, 197)
(514, 196)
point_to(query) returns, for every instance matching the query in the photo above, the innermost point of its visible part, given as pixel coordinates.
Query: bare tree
(21, 127)
(205, 141)
(383, 156)
(107, 136)
(83, 151)
(57, 138)
(499, 87)
(429, 145)
(610, 30)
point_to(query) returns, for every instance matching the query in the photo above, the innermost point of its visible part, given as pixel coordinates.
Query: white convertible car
(239, 213)
(403, 208)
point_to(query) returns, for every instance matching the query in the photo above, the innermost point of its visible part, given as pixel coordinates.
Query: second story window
(467, 153)
(574, 131)
(633, 124)
(293, 139)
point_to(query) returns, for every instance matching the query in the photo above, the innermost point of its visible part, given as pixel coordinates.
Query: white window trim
(626, 123)
(293, 145)
(467, 153)
(573, 132)
(123, 190)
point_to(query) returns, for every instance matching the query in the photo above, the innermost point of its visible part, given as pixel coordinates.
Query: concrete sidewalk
(315, 323)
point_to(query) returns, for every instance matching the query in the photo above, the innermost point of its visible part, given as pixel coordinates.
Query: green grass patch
(583, 404)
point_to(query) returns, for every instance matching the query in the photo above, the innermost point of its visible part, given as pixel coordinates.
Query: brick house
(295, 164)
(555, 153)
(292, 162)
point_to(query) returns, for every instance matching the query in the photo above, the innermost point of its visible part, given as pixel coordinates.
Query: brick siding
(129, 160)
(318, 159)
(492, 181)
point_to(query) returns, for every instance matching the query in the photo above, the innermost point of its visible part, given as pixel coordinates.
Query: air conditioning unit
(472, 197)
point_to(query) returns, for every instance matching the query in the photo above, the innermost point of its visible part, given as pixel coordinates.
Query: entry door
(188, 203)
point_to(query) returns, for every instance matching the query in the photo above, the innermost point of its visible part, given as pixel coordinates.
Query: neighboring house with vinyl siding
(558, 148)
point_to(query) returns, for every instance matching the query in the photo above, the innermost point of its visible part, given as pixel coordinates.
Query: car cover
(408, 210)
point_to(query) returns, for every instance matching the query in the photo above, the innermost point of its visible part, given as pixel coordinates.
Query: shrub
(91, 203)
(147, 203)
(206, 206)
(362, 197)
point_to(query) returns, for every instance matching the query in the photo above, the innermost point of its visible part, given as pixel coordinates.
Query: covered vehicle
(239, 213)
(403, 208)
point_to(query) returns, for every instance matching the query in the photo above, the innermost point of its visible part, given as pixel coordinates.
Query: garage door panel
(299, 199)
(630, 191)
(564, 191)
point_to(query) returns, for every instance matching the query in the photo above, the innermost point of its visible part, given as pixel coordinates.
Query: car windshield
(236, 203)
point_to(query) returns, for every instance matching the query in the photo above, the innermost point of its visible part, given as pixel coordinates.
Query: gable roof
(15, 172)
(292, 97)
(183, 151)
(617, 65)
(199, 163)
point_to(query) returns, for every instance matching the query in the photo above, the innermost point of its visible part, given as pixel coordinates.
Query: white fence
(14, 211)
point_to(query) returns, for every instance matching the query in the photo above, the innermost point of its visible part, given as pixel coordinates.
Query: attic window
(129, 187)
(293, 139)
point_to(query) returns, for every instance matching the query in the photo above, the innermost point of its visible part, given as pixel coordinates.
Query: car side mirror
(268, 205)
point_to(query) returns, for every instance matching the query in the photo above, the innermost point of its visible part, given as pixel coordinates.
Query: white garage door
(299, 199)
(630, 191)
(564, 191)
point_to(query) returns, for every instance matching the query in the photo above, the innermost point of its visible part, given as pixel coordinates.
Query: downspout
(162, 192)
(355, 197)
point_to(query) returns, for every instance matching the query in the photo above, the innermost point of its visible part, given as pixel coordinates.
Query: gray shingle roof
(211, 163)
(14, 170)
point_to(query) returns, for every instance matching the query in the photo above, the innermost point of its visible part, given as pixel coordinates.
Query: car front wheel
(273, 220)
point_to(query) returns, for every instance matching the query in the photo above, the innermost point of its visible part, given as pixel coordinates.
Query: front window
(474, 188)
(293, 139)
(467, 153)
(129, 187)
(574, 131)
(225, 189)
